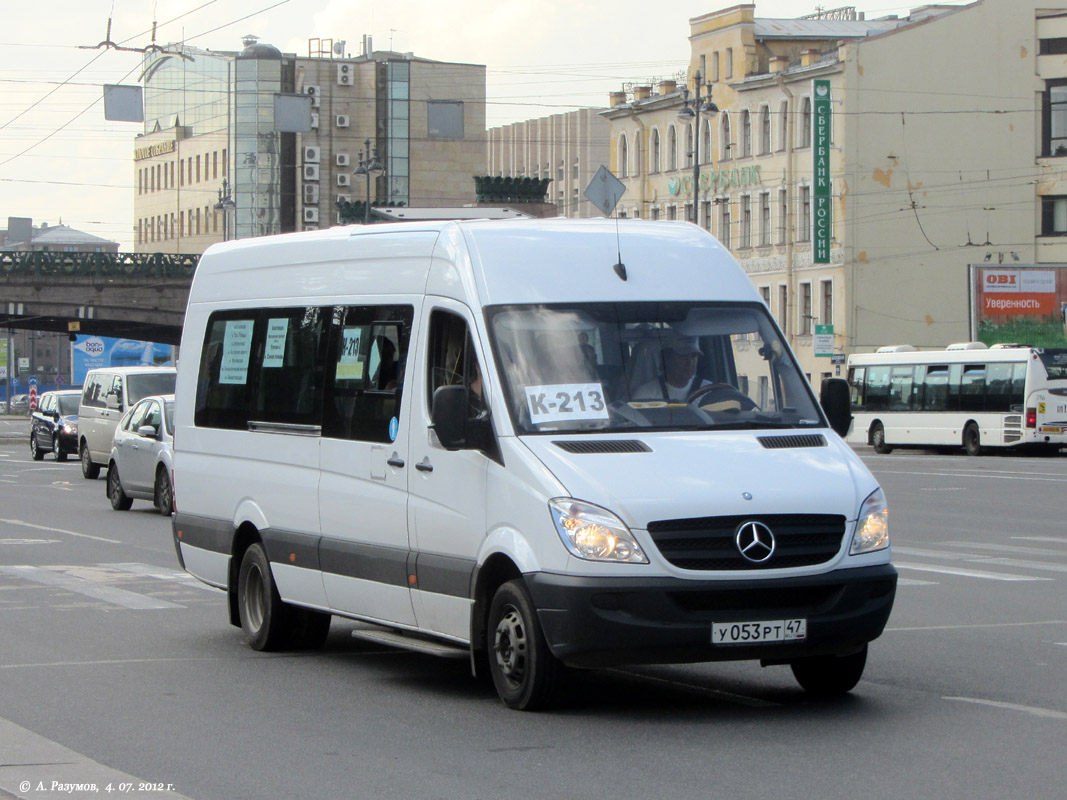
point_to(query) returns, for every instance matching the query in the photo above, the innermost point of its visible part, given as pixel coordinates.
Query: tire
(524, 671)
(312, 629)
(972, 439)
(35, 449)
(164, 495)
(830, 676)
(57, 450)
(265, 619)
(120, 501)
(878, 440)
(90, 471)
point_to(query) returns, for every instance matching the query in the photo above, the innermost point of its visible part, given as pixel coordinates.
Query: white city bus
(968, 395)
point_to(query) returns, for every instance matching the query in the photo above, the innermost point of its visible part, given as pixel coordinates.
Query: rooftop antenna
(339, 47)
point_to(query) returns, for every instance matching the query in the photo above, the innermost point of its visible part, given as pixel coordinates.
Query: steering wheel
(721, 397)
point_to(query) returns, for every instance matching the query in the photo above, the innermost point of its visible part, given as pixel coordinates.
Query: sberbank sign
(716, 180)
(822, 209)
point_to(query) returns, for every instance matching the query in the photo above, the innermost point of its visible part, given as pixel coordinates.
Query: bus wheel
(828, 676)
(266, 620)
(878, 439)
(972, 440)
(524, 671)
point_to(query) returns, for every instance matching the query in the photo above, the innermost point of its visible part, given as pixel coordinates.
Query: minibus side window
(289, 385)
(366, 360)
(222, 387)
(452, 359)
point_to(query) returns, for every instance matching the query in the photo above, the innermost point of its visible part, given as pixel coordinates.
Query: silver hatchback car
(141, 459)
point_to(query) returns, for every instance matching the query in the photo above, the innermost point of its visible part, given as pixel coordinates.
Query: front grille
(587, 446)
(707, 543)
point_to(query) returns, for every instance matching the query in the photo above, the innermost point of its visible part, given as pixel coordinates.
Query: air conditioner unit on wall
(314, 121)
(343, 160)
(345, 75)
(311, 193)
(311, 155)
(344, 179)
(315, 93)
(344, 198)
(311, 172)
(342, 120)
(311, 215)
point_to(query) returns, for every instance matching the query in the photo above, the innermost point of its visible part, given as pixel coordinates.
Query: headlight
(594, 533)
(68, 428)
(872, 527)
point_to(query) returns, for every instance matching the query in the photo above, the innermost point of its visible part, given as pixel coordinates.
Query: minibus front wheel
(525, 673)
(828, 676)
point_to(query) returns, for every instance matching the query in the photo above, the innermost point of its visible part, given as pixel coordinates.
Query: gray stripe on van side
(206, 533)
(388, 565)
(292, 547)
(444, 574)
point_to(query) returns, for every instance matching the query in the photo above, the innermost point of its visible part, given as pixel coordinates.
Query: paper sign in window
(350, 363)
(566, 402)
(236, 349)
(274, 351)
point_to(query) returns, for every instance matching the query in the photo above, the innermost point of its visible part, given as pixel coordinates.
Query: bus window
(878, 389)
(972, 388)
(900, 386)
(1018, 387)
(856, 381)
(935, 388)
(998, 388)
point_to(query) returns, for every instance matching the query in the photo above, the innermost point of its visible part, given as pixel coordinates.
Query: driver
(679, 379)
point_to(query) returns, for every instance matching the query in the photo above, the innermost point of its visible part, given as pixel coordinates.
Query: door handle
(395, 461)
(424, 465)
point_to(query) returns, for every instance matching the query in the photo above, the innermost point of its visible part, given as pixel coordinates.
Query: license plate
(777, 630)
(1053, 429)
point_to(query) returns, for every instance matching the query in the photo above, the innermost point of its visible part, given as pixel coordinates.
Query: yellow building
(933, 161)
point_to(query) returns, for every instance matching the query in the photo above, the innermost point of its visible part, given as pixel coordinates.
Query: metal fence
(150, 265)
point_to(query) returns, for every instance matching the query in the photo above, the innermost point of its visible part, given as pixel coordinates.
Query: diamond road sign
(605, 190)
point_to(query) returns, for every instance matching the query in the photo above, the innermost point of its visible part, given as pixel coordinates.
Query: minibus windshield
(605, 367)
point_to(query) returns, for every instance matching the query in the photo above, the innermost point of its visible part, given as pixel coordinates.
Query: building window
(574, 170)
(826, 313)
(715, 66)
(707, 214)
(725, 138)
(746, 134)
(804, 134)
(672, 212)
(764, 130)
(804, 228)
(198, 169)
(783, 215)
(783, 306)
(804, 320)
(672, 148)
(705, 144)
(746, 221)
(724, 223)
(729, 66)
(783, 124)
(215, 165)
(1052, 47)
(765, 293)
(764, 219)
(444, 119)
(703, 68)
(1054, 216)
(624, 157)
(689, 145)
(653, 152)
(1054, 118)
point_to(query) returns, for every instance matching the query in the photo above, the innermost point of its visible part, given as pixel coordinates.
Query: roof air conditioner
(344, 179)
(342, 120)
(311, 172)
(311, 155)
(311, 215)
(343, 160)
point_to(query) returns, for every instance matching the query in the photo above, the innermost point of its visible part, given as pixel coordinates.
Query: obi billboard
(90, 352)
(1021, 304)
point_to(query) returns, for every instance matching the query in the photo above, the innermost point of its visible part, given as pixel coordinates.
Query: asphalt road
(115, 667)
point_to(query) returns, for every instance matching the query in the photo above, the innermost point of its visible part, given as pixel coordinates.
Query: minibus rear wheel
(828, 676)
(265, 619)
(525, 673)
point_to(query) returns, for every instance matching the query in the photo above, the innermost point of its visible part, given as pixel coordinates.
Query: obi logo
(994, 279)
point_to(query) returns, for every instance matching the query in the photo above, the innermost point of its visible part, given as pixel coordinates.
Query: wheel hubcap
(510, 646)
(254, 610)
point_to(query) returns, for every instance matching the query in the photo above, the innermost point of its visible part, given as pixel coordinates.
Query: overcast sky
(59, 159)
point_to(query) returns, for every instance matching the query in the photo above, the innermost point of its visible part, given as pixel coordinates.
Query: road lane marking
(969, 573)
(29, 541)
(915, 582)
(980, 559)
(71, 583)
(1048, 713)
(999, 476)
(1060, 539)
(979, 625)
(1007, 548)
(58, 530)
(163, 574)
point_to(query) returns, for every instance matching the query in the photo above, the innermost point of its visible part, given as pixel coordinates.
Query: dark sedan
(54, 425)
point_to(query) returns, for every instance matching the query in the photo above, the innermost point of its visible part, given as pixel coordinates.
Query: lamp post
(369, 166)
(225, 205)
(687, 114)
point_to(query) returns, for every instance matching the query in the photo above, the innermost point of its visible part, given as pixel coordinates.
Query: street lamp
(225, 205)
(369, 166)
(688, 114)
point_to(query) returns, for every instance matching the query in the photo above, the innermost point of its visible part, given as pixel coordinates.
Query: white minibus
(534, 444)
(968, 395)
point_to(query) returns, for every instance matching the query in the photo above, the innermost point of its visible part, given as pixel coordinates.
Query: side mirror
(835, 401)
(147, 431)
(449, 416)
(114, 403)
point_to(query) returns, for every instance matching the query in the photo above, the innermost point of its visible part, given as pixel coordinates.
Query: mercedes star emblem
(755, 541)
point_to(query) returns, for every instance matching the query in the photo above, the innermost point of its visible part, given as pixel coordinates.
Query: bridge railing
(149, 265)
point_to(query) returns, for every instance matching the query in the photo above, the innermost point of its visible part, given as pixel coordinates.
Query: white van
(107, 394)
(536, 442)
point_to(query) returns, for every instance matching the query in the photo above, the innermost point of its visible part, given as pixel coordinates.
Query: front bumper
(596, 622)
